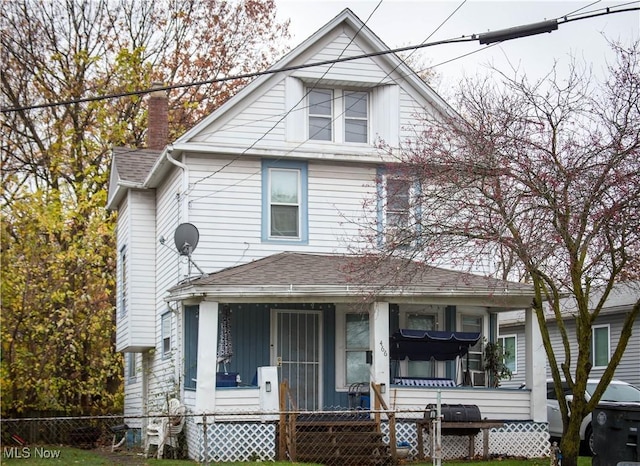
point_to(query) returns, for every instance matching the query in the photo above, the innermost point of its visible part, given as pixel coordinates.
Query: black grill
(457, 413)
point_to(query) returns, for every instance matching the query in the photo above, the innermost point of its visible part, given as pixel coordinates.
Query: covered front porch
(301, 318)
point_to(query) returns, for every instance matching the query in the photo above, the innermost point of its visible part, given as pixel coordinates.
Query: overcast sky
(400, 23)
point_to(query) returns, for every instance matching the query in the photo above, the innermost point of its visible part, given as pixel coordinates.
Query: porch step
(340, 442)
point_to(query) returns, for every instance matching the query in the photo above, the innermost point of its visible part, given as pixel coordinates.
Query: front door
(296, 351)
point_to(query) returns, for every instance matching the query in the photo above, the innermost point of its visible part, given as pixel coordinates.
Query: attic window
(338, 115)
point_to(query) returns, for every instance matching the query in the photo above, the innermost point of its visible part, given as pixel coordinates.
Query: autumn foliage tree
(536, 182)
(57, 239)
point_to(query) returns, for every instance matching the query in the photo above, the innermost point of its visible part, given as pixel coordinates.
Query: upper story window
(284, 199)
(284, 205)
(396, 214)
(122, 279)
(338, 115)
(398, 192)
(321, 114)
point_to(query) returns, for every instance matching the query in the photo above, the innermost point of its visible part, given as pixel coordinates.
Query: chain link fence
(81, 432)
(355, 437)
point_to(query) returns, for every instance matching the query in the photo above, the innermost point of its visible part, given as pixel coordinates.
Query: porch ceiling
(348, 278)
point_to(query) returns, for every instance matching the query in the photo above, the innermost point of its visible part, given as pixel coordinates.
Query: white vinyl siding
(278, 114)
(136, 224)
(628, 369)
(227, 210)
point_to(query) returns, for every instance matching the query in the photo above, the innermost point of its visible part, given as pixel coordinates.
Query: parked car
(617, 392)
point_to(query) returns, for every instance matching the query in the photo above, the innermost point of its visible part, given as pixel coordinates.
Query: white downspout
(184, 191)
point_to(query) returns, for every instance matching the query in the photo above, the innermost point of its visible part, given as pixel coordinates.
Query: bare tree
(537, 182)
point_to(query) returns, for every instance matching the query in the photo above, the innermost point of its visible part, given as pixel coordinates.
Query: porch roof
(298, 277)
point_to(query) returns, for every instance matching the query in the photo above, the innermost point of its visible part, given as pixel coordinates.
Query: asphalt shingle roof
(134, 165)
(306, 269)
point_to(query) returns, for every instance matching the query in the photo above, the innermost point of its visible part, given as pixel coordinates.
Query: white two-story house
(270, 193)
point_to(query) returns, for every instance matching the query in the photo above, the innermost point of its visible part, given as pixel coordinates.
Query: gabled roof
(338, 277)
(364, 35)
(302, 55)
(621, 299)
(129, 169)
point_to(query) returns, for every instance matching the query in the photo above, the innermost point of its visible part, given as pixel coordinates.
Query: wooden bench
(464, 427)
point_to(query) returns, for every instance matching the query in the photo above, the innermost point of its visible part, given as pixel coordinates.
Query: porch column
(379, 344)
(207, 349)
(535, 367)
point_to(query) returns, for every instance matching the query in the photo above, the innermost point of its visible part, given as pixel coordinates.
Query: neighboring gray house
(606, 332)
(277, 182)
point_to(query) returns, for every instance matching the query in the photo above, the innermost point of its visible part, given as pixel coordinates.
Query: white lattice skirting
(516, 439)
(256, 441)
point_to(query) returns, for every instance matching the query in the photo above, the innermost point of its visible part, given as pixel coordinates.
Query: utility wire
(317, 81)
(471, 38)
(296, 107)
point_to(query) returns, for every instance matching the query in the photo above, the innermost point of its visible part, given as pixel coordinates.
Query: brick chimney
(158, 118)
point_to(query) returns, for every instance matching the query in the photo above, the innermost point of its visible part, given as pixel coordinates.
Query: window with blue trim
(284, 201)
(191, 315)
(398, 214)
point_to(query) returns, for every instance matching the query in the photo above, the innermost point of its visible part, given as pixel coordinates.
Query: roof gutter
(354, 292)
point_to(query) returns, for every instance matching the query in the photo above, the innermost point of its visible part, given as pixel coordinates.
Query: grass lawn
(51, 455)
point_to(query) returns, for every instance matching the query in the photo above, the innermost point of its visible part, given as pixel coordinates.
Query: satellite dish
(186, 238)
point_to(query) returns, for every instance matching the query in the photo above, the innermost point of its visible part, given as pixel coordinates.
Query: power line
(500, 35)
(306, 94)
(238, 76)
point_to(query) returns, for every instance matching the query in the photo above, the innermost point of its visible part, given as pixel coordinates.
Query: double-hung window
(394, 211)
(338, 115)
(321, 114)
(284, 191)
(356, 116)
(600, 350)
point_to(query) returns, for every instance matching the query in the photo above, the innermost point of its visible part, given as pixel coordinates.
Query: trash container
(616, 434)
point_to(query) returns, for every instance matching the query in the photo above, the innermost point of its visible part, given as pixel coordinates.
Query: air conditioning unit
(479, 379)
